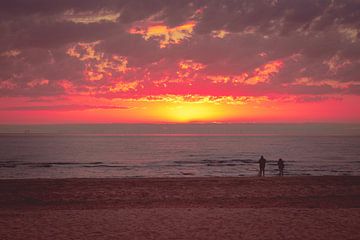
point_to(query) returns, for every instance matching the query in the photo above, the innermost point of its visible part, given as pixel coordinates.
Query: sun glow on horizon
(190, 112)
(177, 109)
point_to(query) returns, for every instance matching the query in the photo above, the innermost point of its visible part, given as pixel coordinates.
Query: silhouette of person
(262, 162)
(281, 166)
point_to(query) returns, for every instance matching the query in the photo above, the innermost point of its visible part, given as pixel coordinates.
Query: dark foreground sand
(182, 208)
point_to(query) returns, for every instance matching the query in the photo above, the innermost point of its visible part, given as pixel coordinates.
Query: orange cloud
(87, 17)
(190, 64)
(63, 107)
(124, 86)
(196, 98)
(219, 33)
(186, 71)
(84, 51)
(98, 66)
(259, 75)
(167, 80)
(306, 81)
(11, 53)
(39, 82)
(7, 84)
(335, 63)
(219, 79)
(264, 73)
(166, 34)
(67, 85)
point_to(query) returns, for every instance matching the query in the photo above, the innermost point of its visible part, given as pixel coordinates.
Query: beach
(326, 207)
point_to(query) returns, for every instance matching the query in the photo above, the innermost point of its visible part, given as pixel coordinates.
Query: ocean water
(177, 150)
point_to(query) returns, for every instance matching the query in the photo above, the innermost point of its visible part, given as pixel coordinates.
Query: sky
(160, 61)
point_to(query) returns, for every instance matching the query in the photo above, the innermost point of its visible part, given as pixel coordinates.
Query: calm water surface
(176, 151)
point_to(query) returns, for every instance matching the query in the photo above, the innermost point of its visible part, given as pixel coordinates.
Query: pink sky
(186, 61)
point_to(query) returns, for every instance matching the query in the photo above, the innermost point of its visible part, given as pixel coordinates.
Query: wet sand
(181, 208)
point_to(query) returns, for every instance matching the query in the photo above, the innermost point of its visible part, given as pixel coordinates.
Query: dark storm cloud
(318, 40)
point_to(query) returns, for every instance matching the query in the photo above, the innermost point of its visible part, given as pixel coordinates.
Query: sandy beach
(181, 208)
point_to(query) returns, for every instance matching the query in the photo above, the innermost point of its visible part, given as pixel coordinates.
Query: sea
(177, 150)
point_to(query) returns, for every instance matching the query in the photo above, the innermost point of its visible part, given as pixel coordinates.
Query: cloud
(36, 83)
(166, 35)
(60, 108)
(195, 98)
(89, 17)
(331, 83)
(134, 49)
(97, 66)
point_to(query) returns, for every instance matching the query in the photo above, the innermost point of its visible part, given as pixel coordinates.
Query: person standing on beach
(262, 162)
(281, 166)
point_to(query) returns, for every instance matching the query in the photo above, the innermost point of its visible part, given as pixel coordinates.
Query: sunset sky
(161, 61)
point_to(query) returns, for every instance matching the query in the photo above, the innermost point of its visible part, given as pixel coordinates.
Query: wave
(13, 164)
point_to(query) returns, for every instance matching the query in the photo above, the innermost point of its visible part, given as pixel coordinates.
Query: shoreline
(191, 177)
(203, 192)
